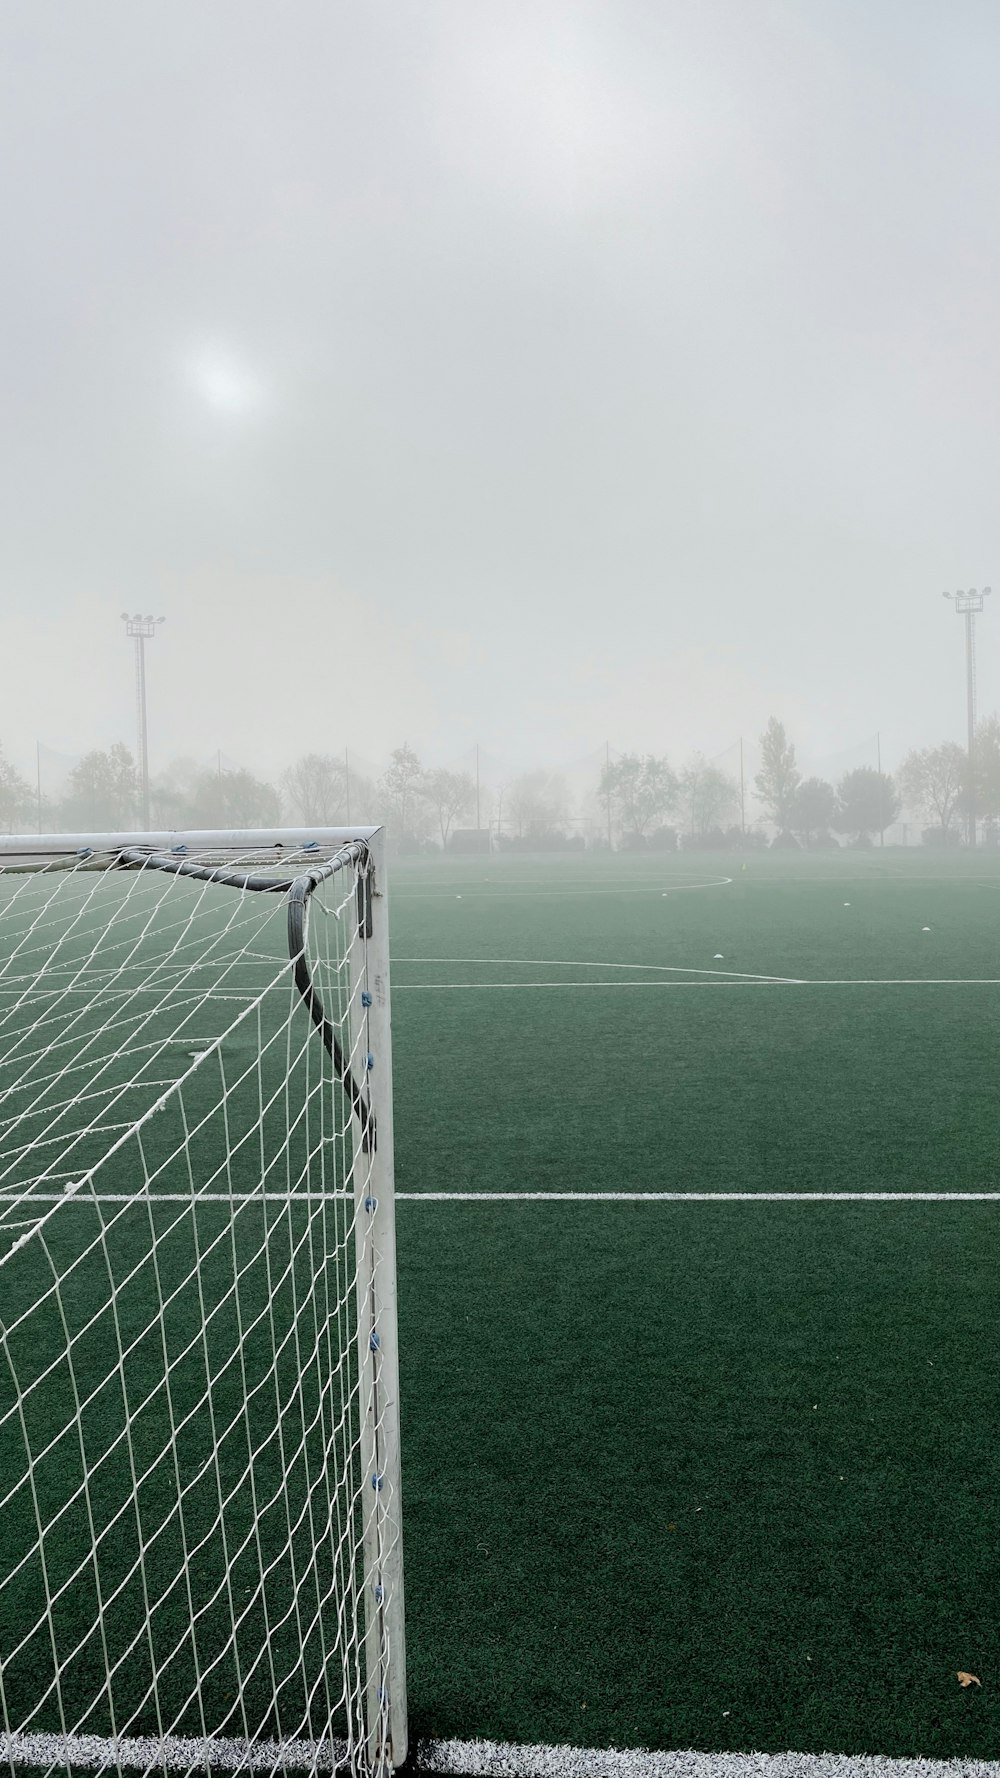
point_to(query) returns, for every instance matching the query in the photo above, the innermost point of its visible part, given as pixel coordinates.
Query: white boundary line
(21, 1200)
(176, 1753)
(473, 1759)
(504, 1759)
(699, 1197)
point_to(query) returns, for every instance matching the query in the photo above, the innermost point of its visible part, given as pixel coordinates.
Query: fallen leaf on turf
(671, 1527)
(968, 1679)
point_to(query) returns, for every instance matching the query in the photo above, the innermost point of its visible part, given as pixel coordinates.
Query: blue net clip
(366, 998)
(180, 848)
(310, 845)
(374, 1341)
(369, 1061)
(85, 852)
(377, 1481)
(371, 1205)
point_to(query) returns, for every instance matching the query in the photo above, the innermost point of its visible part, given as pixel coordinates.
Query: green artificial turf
(685, 1474)
(710, 1476)
(706, 1475)
(706, 1084)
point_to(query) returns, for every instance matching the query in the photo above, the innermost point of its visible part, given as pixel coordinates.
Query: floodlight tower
(967, 605)
(141, 630)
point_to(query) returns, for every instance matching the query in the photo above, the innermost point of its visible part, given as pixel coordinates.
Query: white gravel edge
(470, 1759)
(485, 1759)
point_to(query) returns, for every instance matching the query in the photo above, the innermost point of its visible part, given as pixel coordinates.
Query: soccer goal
(200, 1549)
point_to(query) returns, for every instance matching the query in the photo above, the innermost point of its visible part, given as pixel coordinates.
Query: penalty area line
(734, 981)
(657, 969)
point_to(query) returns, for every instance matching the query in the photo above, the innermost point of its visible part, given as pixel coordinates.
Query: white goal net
(200, 1554)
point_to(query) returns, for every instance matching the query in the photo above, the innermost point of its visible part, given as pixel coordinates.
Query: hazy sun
(224, 383)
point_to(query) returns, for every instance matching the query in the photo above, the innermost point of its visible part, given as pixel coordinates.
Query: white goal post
(200, 1509)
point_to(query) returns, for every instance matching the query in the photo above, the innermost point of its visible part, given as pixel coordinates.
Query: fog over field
(536, 374)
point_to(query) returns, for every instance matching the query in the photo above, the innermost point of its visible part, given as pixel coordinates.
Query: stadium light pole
(967, 605)
(141, 630)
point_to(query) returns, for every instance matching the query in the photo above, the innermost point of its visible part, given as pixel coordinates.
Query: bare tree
(103, 790)
(315, 789)
(538, 803)
(933, 781)
(449, 794)
(233, 799)
(172, 792)
(16, 797)
(708, 794)
(641, 790)
(400, 794)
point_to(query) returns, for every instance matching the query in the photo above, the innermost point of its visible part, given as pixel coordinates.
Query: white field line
(503, 1759)
(577, 963)
(474, 1759)
(455, 883)
(491, 894)
(733, 979)
(721, 978)
(175, 1753)
(876, 878)
(698, 1197)
(15, 989)
(916, 981)
(23, 1199)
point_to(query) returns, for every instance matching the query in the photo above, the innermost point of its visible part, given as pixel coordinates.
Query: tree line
(103, 792)
(639, 800)
(936, 785)
(644, 794)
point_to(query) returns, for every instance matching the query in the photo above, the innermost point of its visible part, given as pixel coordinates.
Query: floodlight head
(946, 595)
(987, 591)
(137, 617)
(161, 620)
(124, 617)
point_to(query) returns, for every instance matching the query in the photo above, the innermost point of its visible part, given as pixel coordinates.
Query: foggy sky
(517, 371)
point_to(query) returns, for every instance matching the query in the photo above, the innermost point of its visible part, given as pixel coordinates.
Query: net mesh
(196, 1519)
